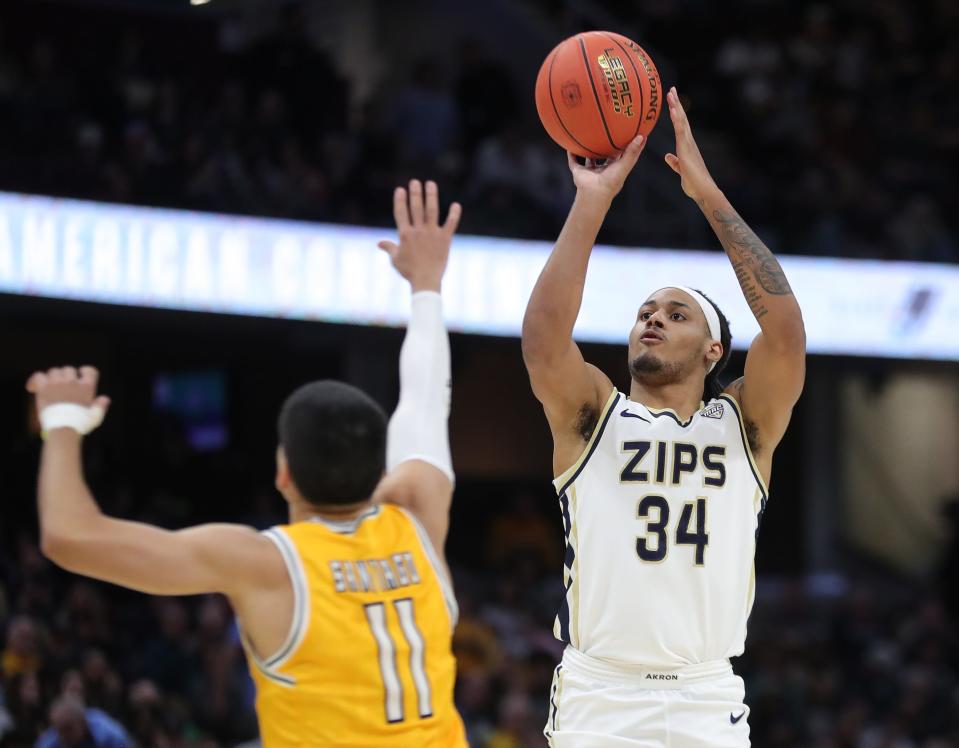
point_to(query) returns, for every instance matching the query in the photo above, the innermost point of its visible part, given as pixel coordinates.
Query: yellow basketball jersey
(368, 661)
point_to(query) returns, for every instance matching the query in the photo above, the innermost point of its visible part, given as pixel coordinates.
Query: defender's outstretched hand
(687, 161)
(424, 246)
(66, 385)
(607, 179)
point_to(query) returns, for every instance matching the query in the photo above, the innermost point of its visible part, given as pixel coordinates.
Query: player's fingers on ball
(453, 218)
(432, 203)
(401, 210)
(416, 201)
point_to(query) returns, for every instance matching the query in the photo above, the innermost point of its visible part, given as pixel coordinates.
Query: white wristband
(80, 418)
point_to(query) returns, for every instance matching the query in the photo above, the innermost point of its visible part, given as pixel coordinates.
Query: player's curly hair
(334, 439)
(713, 387)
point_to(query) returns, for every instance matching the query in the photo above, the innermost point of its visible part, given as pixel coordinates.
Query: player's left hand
(687, 161)
(424, 246)
(67, 385)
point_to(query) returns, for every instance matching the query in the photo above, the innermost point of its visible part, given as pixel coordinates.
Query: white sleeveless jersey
(661, 519)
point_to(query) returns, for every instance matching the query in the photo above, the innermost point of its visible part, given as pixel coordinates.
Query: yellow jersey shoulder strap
(300, 623)
(439, 566)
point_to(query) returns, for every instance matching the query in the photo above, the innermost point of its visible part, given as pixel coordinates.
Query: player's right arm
(571, 391)
(419, 468)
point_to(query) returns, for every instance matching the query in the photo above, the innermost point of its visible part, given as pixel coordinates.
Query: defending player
(347, 612)
(662, 490)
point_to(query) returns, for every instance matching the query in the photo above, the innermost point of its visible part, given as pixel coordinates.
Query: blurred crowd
(833, 127)
(871, 664)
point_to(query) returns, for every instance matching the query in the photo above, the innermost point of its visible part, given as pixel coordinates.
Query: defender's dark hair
(713, 387)
(334, 438)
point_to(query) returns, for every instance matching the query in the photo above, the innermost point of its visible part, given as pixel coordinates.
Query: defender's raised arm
(420, 469)
(572, 392)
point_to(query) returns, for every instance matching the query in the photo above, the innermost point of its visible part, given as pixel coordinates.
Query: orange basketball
(596, 91)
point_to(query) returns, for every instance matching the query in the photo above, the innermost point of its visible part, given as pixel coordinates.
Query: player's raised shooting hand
(424, 246)
(66, 386)
(687, 161)
(606, 180)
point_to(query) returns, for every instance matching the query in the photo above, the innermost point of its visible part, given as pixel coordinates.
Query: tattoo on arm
(757, 269)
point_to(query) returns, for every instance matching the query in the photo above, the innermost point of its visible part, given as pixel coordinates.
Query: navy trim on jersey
(740, 424)
(596, 439)
(567, 519)
(673, 416)
(564, 616)
(552, 700)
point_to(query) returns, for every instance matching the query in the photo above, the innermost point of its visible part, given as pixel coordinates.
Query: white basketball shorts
(595, 704)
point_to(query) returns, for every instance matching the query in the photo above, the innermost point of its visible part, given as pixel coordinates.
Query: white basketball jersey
(661, 519)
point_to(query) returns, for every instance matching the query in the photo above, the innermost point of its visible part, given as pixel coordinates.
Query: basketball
(595, 92)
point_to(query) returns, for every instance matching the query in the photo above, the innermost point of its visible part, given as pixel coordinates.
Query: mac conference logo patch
(715, 410)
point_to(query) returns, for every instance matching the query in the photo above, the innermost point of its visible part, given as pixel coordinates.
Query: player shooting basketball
(347, 612)
(662, 490)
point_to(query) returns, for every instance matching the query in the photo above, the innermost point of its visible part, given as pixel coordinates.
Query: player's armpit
(772, 382)
(197, 560)
(425, 491)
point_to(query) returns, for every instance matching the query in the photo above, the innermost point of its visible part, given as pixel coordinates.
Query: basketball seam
(559, 118)
(639, 82)
(592, 83)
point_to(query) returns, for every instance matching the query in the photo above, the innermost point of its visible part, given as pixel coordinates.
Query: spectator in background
(522, 531)
(85, 615)
(216, 688)
(168, 656)
(75, 726)
(511, 168)
(851, 109)
(22, 652)
(424, 118)
(919, 233)
(102, 686)
(25, 705)
(145, 713)
(485, 96)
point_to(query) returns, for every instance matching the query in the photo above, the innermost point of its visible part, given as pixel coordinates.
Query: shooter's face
(670, 340)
